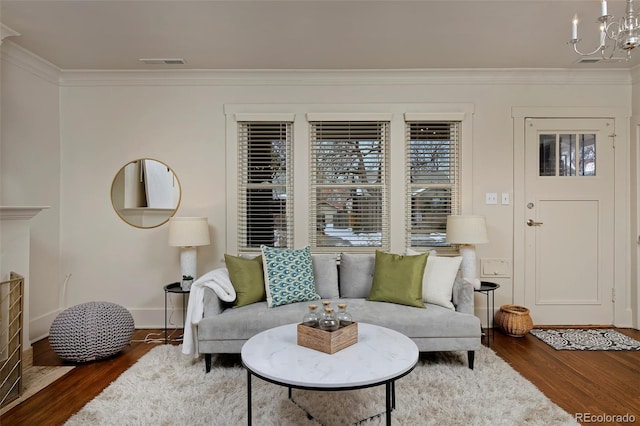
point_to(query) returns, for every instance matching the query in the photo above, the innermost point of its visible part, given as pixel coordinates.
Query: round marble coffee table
(380, 357)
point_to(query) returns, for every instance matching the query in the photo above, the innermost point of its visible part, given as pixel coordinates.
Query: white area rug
(165, 388)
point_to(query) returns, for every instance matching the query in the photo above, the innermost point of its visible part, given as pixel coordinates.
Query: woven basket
(514, 320)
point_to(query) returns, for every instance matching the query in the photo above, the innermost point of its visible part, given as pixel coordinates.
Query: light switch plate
(491, 197)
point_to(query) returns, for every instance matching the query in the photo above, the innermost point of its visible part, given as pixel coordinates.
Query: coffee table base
(390, 395)
(387, 412)
(380, 357)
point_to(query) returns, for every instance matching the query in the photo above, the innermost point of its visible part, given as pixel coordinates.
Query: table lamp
(188, 233)
(467, 230)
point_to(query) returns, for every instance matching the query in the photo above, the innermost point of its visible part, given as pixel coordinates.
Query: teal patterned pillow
(288, 276)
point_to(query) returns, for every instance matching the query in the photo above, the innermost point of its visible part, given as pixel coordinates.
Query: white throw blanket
(218, 280)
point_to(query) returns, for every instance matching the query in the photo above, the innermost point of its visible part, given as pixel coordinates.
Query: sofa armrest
(212, 303)
(463, 298)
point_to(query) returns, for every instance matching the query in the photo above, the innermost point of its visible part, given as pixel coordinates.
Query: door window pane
(547, 157)
(567, 155)
(587, 155)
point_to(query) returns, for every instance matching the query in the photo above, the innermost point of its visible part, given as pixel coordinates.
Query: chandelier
(617, 38)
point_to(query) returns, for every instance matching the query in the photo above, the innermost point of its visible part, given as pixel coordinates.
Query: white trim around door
(622, 271)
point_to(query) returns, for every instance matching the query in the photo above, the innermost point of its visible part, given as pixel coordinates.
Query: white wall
(634, 299)
(110, 118)
(30, 170)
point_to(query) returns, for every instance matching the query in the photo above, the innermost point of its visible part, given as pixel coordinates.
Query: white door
(569, 221)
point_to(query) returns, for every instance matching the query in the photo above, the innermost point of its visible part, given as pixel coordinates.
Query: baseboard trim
(39, 327)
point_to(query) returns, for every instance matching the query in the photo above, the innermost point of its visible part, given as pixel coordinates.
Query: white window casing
(265, 184)
(349, 208)
(301, 169)
(432, 167)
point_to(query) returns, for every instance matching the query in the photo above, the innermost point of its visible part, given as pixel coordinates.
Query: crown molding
(14, 54)
(23, 58)
(344, 77)
(7, 32)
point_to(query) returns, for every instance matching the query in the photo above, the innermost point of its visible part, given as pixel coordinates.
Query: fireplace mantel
(20, 212)
(15, 236)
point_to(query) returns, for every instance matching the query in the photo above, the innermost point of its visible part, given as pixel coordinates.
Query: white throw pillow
(438, 278)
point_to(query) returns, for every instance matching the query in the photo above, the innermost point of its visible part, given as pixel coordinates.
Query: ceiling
(306, 34)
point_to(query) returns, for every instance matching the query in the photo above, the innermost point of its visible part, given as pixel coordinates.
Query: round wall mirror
(145, 193)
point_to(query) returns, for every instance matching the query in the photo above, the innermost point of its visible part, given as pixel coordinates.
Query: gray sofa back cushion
(356, 274)
(325, 272)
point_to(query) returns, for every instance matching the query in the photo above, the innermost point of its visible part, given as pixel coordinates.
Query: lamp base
(468, 265)
(188, 261)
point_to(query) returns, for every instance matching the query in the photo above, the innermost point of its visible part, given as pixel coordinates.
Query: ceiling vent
(163, 61)
(589, 60)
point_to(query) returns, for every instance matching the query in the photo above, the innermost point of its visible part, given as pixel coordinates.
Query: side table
(174, 288)
(487, 287)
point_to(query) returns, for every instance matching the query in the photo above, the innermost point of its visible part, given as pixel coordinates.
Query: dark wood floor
(595, 383)
(590, 382)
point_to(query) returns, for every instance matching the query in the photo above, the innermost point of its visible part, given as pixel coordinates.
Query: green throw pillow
(247, 278)
(398, 279)
(288, 276)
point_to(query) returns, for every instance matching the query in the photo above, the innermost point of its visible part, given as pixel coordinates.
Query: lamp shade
(466, 229)
(188, 231)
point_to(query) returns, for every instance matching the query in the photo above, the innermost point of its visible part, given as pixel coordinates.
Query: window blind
(348, 188)
(265, 203)
(432, 167)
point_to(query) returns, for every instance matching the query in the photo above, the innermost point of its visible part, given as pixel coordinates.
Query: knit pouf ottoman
(91, 331)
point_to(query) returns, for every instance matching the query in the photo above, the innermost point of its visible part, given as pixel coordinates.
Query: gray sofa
(224, 329)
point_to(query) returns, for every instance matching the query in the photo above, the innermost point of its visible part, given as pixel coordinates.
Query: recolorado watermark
(604, 418)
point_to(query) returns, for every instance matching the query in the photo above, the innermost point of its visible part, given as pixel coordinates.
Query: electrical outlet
(495, 268)
(491, 198)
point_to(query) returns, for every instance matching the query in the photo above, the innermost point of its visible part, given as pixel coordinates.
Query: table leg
(487, 334)
(493, 306)
(388, 397)
(248, 397)
(165, 317)
(393, 395)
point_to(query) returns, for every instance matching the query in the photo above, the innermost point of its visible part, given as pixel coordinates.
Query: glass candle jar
(310, 319)
(344, 317)
(329, 322)
(325, 304)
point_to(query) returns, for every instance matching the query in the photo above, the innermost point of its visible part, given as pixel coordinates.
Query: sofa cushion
(398, 279)
(433, 322)
(288, 275)
(414, 322)
(439, 275)
(356, 274)
(247, 278)
(325, 273)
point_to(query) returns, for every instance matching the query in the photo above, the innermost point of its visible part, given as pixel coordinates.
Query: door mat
(592, 339)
